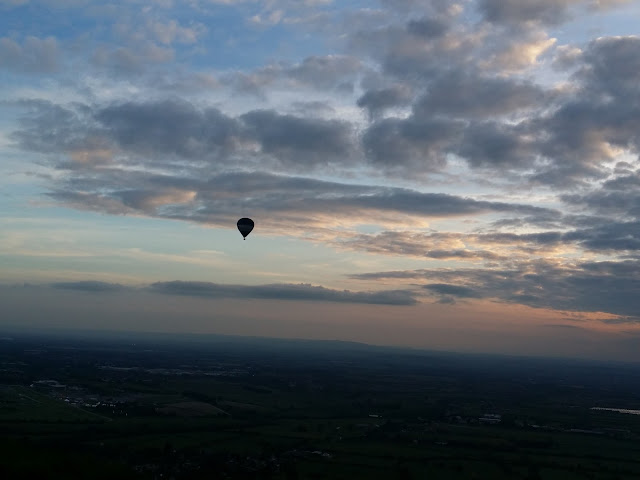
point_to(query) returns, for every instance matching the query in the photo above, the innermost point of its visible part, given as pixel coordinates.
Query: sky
(446, 175)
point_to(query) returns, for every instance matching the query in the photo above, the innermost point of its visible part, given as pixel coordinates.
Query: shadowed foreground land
(160, 406)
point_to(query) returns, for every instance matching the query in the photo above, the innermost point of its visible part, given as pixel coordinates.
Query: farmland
(225, 407)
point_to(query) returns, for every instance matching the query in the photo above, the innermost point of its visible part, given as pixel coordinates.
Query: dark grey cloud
(492, 144)
(410, 146)
(613, 200)
(463, 255)
(540, 238)
(616, 200)
(577, 139)
(301, 292)
(453, 290)
(453, 117)
(627, 179)
(615, 236)
(169, 127)
(284, 291)
(376, 101)
(89, 286)
(622, 321)
(609, 287)
(548, 12)
(297, 140)
(177, 129)
(612, 66)
(428, 27)
(470, 94)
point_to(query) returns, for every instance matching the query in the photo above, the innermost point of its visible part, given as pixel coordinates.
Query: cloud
(317, 72)
(463, 255)
(326, 71)
(284, 291)
(413, 50)
(298, 142)
(293, 292)
(32, 55)
(50, 128)
(169, 127)
(376, 101)
(476, 107)
(611, 236)
(411, 146)
(469, 94)
(611, 66)
(89, 286)
(609, 287)
(618, 198)
(284, 204)
(427, 27)
(598, 122)
(547, 12)
(604, 237)
(456, 246)
(496, 123)
(490, 144)
(558, 138)
(178, 129)
(452, 290)
(175, 160)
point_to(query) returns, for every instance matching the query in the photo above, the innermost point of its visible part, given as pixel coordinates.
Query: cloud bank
(286, 292)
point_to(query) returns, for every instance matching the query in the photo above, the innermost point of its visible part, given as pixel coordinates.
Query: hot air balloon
(245, 225)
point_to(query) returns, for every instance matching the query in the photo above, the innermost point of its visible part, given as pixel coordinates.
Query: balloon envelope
(245, 225)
